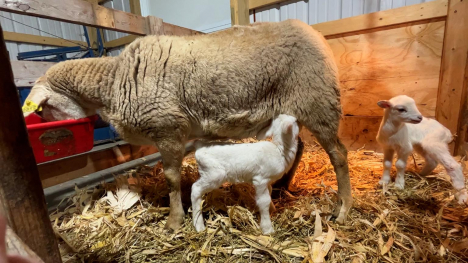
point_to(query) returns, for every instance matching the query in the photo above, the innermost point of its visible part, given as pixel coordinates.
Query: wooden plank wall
(402, 56)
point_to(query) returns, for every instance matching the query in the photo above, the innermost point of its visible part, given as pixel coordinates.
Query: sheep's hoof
(174, 223)
(462, 196)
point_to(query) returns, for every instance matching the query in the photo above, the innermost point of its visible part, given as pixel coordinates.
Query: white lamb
(260, 163)
(403, 129)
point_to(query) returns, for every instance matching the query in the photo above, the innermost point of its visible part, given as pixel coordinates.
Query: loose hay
(420, 224)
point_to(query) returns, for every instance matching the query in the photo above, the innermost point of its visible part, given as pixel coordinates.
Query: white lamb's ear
(263, 133)
(288, 127)
(384, 104)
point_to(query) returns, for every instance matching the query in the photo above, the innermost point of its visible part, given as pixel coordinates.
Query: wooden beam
(27, 72)
(173, 30)
(21, 195)
(67, 169)
(78, 12)
(240, 12)
(120, 41)
(451, 101)
(402, 15)
(135, 7)
(254, 4)
(40, 40)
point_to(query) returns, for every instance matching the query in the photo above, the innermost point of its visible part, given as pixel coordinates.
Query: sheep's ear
(384, 104)
(36, 98)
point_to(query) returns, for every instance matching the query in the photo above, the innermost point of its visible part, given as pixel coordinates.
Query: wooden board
(173, 30)
(77, 166)
(120, 41)
(253, 4)
(412, 13)
(40, 40)
(27, 72)
(84, 13)
(355, 133)
(451, 107)
(382, 64)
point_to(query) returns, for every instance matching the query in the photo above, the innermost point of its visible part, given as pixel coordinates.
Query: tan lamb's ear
(37, 97)
(384, 104)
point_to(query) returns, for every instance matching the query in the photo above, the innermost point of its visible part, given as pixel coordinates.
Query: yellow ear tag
(30, 106)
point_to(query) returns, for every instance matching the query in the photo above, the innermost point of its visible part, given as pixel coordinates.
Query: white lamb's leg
(439, 152)
(262, 196)
(387, 165)
(204, 185)
(272, 206)
(401, 167)
(429, 166)
(197, 217)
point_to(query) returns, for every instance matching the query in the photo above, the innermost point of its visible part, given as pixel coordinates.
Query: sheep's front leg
(387, 165)
(401, 166)
(263, 199)
(172, 152)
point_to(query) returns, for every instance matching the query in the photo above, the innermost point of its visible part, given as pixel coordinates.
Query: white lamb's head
(284, 125)
(55, 105)
(402, 109)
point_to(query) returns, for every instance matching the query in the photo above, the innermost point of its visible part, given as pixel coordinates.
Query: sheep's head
(402, 108)
(55, 105)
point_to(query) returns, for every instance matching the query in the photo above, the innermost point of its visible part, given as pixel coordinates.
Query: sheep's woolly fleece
(420, 224)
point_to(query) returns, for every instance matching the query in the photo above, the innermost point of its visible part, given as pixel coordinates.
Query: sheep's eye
(402, 110)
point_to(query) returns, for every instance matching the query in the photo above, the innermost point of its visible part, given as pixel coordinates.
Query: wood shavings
(421, 223)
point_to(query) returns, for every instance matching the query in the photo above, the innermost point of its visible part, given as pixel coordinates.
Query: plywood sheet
(382, 64)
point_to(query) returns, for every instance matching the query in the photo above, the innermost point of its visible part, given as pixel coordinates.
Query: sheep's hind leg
(338, 155)
(172, 152)
(429, 166)
(440, 153)
(263, 199)
(285, 181)
(387, 165)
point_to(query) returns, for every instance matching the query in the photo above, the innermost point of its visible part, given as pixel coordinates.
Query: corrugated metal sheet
(123, 5)
(37, 26)
(319, 11)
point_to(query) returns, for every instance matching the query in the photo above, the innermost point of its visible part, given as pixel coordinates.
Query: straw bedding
(124, 221)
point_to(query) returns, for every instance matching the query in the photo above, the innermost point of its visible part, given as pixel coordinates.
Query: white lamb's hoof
(462, 196)
(268, 231)
(200, 228)
(400, 185)
(384, 181)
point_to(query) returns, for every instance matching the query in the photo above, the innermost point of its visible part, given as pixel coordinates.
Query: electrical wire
(44, 31)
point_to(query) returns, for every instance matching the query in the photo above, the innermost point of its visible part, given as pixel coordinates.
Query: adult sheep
(165, 90)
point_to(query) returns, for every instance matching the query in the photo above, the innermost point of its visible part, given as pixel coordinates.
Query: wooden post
(21, 196)
(135, 7)
(451, 100)
(240, 12)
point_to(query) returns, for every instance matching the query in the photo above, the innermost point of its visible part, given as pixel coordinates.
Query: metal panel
(37, 26)
(318, 11)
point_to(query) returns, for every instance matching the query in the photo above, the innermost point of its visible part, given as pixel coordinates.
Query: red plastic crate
(58, 139)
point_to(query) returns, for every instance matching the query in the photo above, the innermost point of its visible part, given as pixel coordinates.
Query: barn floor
(420, 224)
